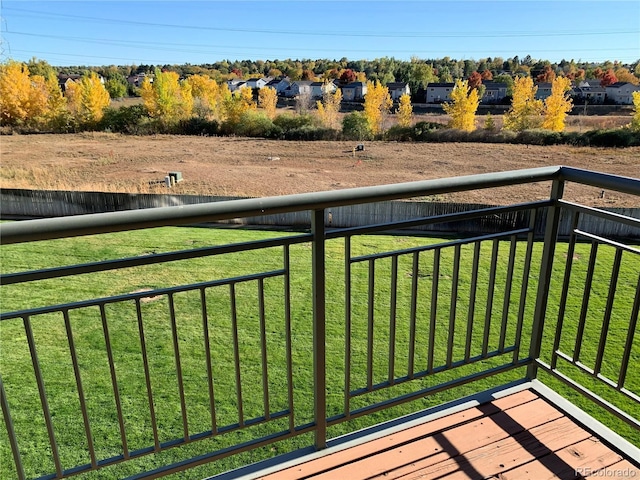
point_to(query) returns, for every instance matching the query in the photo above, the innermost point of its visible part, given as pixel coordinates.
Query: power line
(307, 33)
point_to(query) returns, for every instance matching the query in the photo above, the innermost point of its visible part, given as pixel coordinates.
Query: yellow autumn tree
(234, 105)
(206, 95)
(377, 103)
(23, 98)
(87, 99)
(635, 120)
(405, 111)
(56, 114)
(329, 108)
(167, 99)
(463, 106)
(525, 108)
(557, 105)
(268, 101)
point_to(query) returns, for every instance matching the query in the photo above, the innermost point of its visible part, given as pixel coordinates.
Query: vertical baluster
(236, 352)
(318, 271)
(287, 327)
(585, 301)
(607, 311)
(490, 294)
(392, 318)
(147, 376)
(507, 292)
(472, 300)
(370, 318)
(414, 307)
(347, 326)
(525, 285)
(176, 354)
(13, 440)
(453, 305)
(434, 309)
(207, 353)
(263, 348)
(630, 334)
(76, 372)
(114, 381)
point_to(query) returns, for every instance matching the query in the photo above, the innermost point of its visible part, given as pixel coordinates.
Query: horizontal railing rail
(264, 338)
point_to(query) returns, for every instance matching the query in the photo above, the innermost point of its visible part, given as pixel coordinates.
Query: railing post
(546, 268)
(319, 330)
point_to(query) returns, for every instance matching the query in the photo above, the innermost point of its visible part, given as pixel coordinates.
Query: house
(589, 91)
(298, 88)
(236, 84)
(397, 89)
(318, 89)
(279, 84)
(354, 91)
(258, 82)
(621, 93)
(64, 80)
(494, 92)
(137, 79)
(438, 92)
(544, 90)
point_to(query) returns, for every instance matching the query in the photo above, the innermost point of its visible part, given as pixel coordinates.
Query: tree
(268, 100)
(206, 96)
(236, 104)
(329, 107)
(548, 75)
(405, 111)
(635, 120)
(355, 126)
(557, 105)
(87, 99)
(487, 75)
(624, 75)
(377, 103)
(166, 99)
(348, 76)
(22, 98)
(463, 106)
(525, 108)
(115, 87)
(475, 80)
(608, 78)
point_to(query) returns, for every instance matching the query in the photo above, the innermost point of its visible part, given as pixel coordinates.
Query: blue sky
(170, 32)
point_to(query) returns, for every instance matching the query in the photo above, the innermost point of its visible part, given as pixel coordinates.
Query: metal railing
(408, 321)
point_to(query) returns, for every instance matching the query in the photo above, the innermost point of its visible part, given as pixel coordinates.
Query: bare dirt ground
(257, 167)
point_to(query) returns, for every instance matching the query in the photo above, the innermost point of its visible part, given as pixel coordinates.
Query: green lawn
(89, 338)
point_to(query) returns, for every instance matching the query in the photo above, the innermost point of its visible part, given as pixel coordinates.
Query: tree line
(31, 99)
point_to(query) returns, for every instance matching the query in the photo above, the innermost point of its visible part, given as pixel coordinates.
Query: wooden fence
(17, 203)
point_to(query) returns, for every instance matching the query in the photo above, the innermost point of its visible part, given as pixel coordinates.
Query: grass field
(89, 337)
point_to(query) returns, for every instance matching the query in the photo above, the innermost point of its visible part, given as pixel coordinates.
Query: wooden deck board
(519, 436)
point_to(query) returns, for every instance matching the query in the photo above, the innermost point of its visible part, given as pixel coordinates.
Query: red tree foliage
(238, 73)
(487, 75)
(608, 78)
(308, 75)
(348, 76)
(475, 80)
(547, 75)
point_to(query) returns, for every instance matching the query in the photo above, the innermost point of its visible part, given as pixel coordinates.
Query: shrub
(399, 134)
(253, 124)
(287, 121)
(309, 132)
(198, 126)
(123, 119)
(619, 137)
(356, 127)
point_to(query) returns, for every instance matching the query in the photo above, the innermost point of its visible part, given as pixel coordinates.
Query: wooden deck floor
(520, 436)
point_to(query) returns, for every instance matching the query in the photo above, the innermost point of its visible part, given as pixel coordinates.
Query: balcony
(509, 350)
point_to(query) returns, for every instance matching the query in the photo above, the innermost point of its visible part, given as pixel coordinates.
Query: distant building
(621, 93)
(354, 91)
(439, 92)
(397, 89)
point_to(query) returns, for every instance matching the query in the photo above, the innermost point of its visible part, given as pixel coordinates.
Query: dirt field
(256, 167)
